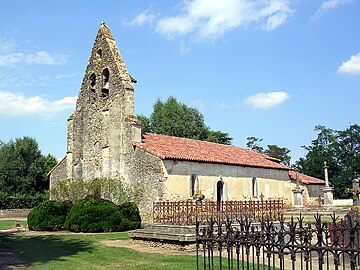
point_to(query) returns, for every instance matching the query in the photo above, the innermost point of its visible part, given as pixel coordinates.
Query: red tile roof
(303, 178)
(168, 147)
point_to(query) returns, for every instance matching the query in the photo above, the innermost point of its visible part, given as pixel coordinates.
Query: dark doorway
(219, 191)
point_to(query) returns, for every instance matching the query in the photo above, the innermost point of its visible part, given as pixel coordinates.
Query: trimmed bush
(131, 213)
(48, 216)
(95, 215)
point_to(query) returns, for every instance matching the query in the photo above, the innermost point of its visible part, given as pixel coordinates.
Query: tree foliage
(280, 153)
(341, 151)
(253, 143)
(23, 169)
(174, 118)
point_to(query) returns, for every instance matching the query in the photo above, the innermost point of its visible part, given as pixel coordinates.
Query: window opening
(92, 82)
(219, 190)
(193, 184)
(99, 53)
(254, 187)
(106, 85)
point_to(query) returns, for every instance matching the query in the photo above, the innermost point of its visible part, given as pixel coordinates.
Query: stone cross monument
(355, 191)
(298, 198)
(328, 191)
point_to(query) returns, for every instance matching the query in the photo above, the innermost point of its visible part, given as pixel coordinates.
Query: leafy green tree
(177, 119)
(253, 144)
(341, 151)
(281, 153)
(145, 123)
(219, 137)
(23, 169)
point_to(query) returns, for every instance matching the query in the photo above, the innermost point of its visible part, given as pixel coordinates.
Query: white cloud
(198, 103)
(17, 104)
(37, 58)
(351, 66)
(211, 18)
(6, 45)
(266, 100)
(329, 4)
(140, 19)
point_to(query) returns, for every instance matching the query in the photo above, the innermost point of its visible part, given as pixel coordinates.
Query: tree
(218, 137)
(253, 144)
(174, 118)
(23, 169)
(341, 151)
(281, 153)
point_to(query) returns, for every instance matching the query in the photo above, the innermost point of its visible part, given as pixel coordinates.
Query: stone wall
(99, 134)
(59, 172)
(145, 173)
(14, 213)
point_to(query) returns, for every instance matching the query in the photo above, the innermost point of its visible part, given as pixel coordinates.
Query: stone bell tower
(101, 130)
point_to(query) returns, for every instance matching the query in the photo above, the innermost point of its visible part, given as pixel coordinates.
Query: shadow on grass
(42, 249)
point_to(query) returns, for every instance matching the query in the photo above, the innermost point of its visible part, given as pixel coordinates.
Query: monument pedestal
(298, 198)
(328, 196)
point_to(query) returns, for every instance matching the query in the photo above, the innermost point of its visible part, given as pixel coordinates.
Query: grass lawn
(8, 224)
(84, 251)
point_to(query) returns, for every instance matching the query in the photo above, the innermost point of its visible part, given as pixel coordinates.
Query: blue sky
(269, 69)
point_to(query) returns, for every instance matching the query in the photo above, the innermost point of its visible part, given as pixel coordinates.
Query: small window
(99, 53)
(254, 187)
(193, 185)
(106, 85)
(92, 79)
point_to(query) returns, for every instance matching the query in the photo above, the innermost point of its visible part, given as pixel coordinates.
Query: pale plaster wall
(237, 181)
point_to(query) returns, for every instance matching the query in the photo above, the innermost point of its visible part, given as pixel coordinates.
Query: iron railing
(267, 244)
(185, 212)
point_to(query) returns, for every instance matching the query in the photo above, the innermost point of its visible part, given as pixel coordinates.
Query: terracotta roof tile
(168, 147)
(306, 179)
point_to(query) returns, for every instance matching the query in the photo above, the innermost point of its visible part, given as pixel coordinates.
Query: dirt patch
(151, 247)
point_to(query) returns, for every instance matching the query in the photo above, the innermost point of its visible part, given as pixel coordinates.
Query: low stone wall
(14, 213)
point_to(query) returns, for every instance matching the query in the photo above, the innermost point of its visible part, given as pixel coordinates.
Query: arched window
(254, 187)
(192, 185)
(106, 85)
(92, 81)
(99, 53)
(219, 190)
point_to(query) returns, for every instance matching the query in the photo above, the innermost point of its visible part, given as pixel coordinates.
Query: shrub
(131, 213)
(4, 198)
(20, 201)
(95, 215)
(48, 216)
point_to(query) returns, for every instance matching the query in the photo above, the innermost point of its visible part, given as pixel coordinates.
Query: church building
(104, 139)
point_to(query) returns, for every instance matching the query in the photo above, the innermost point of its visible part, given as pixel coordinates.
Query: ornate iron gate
(268, 244)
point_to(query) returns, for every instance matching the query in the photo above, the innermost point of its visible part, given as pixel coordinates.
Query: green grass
(9, 224)
(84, 251)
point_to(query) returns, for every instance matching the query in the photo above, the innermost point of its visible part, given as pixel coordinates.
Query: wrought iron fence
(267, 244)
(185, 212)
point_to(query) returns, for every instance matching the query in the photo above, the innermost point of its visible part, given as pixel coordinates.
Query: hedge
(48, 216)
(95, 215)
(21, 201)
